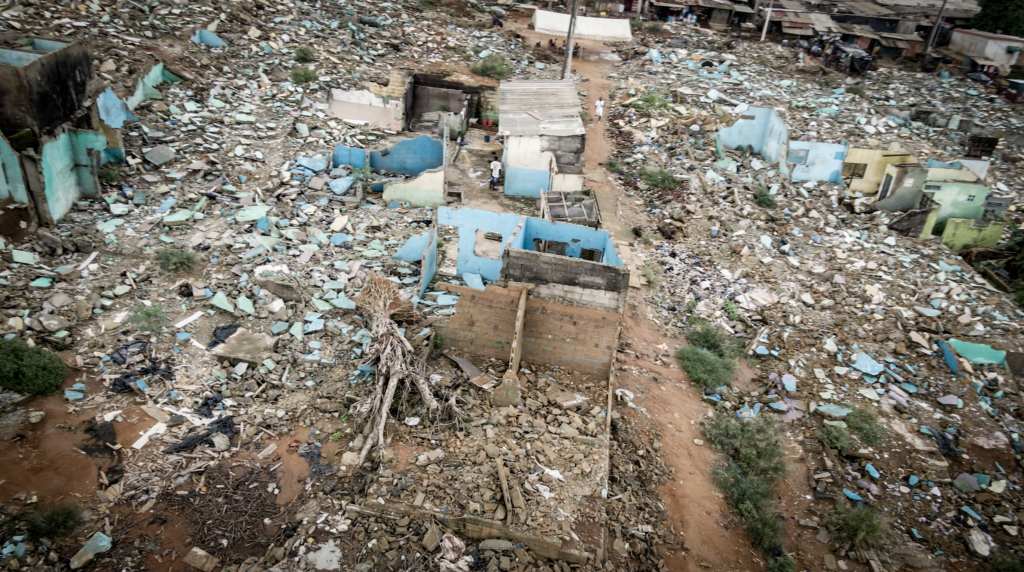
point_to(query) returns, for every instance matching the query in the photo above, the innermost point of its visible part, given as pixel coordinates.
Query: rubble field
(209, 302)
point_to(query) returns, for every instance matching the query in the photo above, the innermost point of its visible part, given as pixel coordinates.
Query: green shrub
(731, 309)
(864, 425)
(749, 495)
(53, 523)
(858, 91)
(1003, 562)
(652, 273)
(763, 530)
(715, 340)
(660, 179)
(171, 260)
(31, 370)
(110, 174)
(862, 527)
(782, 564)
(836, 437)
(613, 166)
(655, 28)
(305, 54)
(764, 200)
(492, 66)
(304, 75)
(705, 368)
(755, 445)
(650, 102)
(149, 318)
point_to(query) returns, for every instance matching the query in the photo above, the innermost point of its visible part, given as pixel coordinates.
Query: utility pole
(935, 29)
(567, 67)
(767, 17)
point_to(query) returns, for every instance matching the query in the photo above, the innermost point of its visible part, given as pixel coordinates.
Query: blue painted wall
(766, 133)
(349, 156)
(824, 161)
(468, 222)
(411, 156)
(576, 237)
(429, 266)
(523, 182)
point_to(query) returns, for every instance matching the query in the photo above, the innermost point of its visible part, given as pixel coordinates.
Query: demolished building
(544, 137)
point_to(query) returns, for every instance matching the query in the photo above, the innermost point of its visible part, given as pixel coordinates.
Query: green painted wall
(67, 169)
(961, 233)
(12, 181)
(961, 200)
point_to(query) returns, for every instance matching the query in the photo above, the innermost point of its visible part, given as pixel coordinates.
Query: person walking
(599, 109)
(495, 171)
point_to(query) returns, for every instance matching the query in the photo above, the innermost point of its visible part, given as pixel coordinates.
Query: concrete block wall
(542, 268)
(574, 337)
(489, 103)
(576, 296)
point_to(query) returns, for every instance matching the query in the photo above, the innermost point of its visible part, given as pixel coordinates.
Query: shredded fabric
(451, 559)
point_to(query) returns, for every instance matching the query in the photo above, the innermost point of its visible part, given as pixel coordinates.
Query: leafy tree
(1000, 17)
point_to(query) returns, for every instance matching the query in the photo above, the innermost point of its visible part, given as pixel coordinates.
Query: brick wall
(532, 267)
(577, 338)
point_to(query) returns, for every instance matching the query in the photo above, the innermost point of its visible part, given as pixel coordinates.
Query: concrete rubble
(251, 356)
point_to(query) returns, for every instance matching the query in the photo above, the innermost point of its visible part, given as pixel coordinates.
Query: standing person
(495, 170)
(599, 109)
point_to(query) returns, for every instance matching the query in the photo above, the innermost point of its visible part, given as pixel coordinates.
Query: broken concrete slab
(247, 346)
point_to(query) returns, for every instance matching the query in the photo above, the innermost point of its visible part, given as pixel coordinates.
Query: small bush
(764, 200)
(492, 66)
(835, 437)
(650, 102)
(755, 445)
(715, 340)
(305, 54)
(30, 370)
(660, 179)
(613, 166)
(149, 318)
(1003, 562)
(652, 273)
(171, 260)
(53, 523)
(862, 527)
(763, 530)
(655, 28)
(749, 495)
(864, 425)
(110, 174)
(705, 368)
(858, 91)
(732, 310)
(782, 564)
(304, 75)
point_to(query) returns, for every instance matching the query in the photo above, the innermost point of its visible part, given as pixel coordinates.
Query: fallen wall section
(365, 108)
(587, 28)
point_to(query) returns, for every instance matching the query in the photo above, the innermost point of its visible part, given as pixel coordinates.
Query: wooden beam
(517, 339)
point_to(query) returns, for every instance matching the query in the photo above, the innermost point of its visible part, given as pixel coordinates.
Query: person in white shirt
(495, 170)
(599, 109)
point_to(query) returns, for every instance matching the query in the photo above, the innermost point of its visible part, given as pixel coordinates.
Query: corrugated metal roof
(904, 37)
(539, 108)
(861, 31)
(861, 8)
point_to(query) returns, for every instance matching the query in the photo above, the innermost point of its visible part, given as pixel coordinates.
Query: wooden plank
(517, 338)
